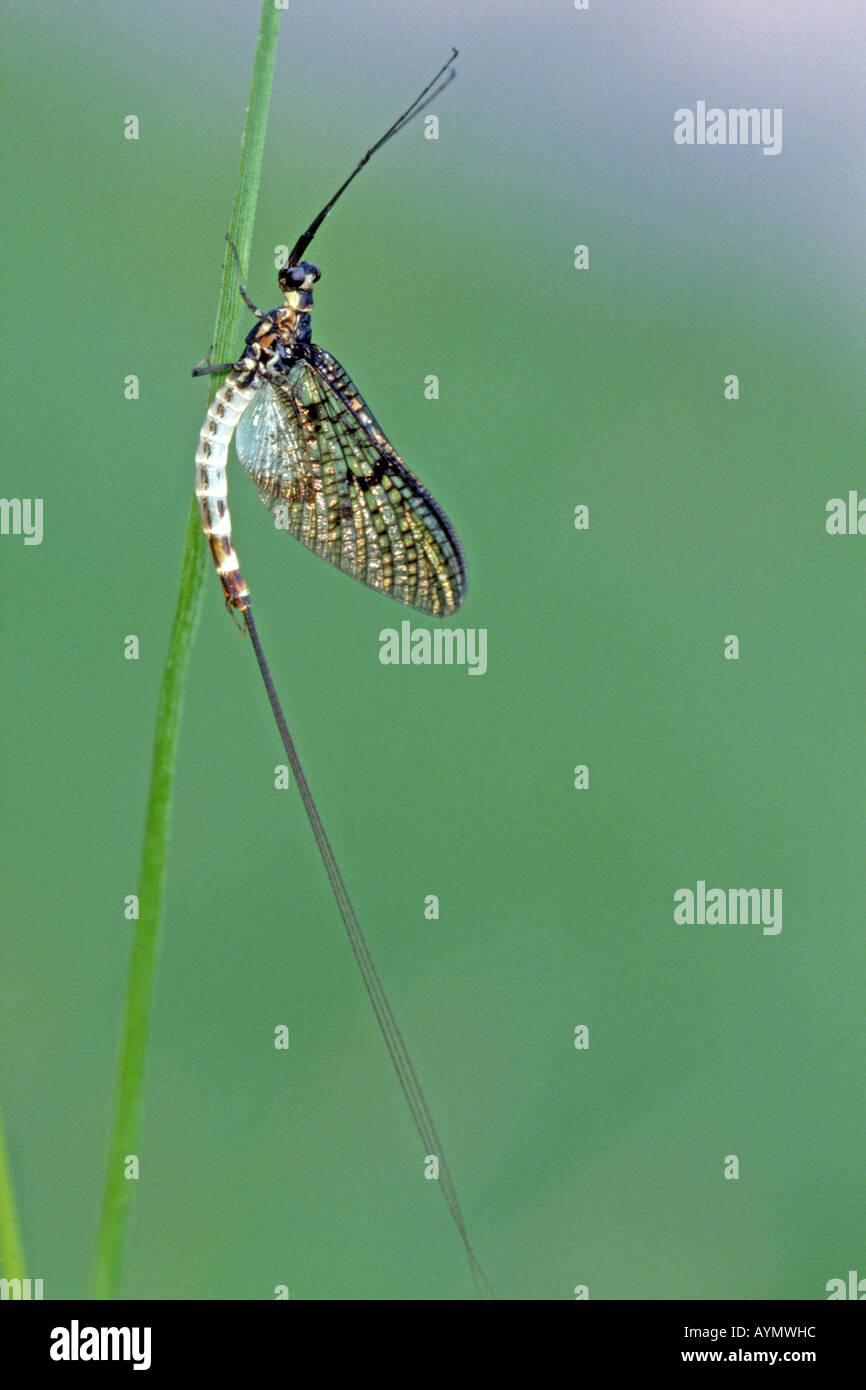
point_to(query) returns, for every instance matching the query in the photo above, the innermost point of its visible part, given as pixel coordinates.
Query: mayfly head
(296, 282)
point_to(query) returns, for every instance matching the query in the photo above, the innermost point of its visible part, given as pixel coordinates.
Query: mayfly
(326, 470)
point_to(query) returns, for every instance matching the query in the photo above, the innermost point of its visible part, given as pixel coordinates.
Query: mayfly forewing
(442, 575)
(326, 471)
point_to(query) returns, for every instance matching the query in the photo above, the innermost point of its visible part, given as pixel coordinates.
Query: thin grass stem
(125, 1137)
(11, 1247)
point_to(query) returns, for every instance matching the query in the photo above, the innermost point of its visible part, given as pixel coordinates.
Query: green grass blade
(11, 1248)
(128, 1101)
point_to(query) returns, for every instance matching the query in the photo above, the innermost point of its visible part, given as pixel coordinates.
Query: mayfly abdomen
(211, 484)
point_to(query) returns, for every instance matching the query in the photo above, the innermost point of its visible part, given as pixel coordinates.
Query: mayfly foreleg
(206, 368)
(244, 296)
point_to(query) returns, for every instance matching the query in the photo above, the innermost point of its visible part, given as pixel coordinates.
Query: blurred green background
(557, 387)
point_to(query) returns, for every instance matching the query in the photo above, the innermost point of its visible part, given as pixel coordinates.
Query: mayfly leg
(206, 368)
(244, 296)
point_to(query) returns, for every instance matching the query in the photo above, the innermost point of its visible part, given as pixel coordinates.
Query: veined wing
(325, 470)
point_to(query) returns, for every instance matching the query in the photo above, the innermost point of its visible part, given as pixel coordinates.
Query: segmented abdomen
(211, 485)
